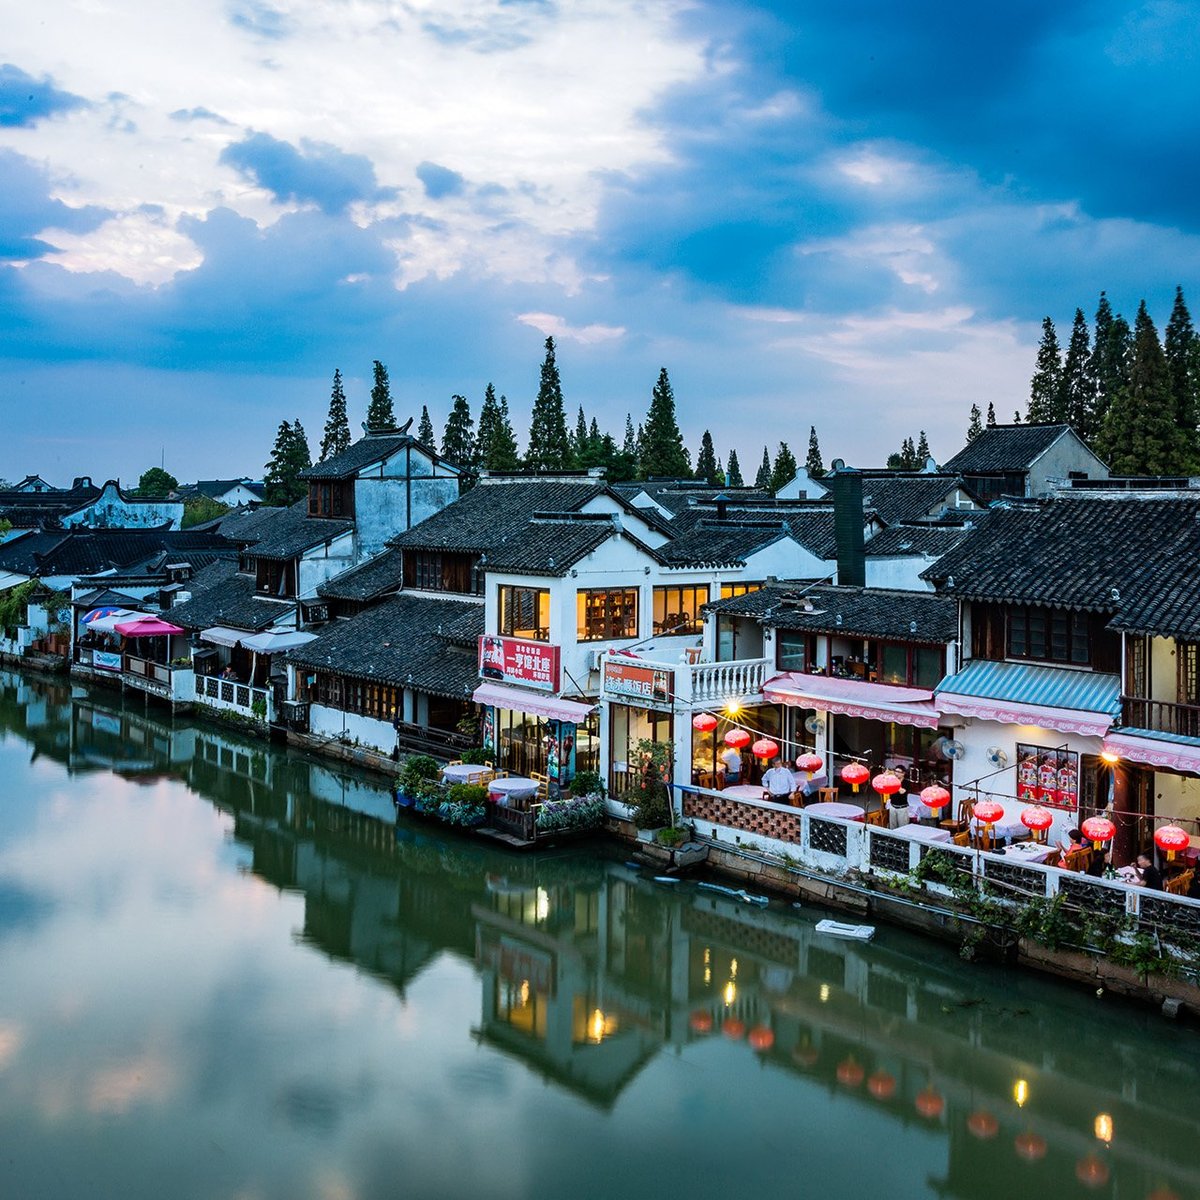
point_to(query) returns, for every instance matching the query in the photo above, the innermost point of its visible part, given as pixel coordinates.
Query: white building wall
(366, 731)
(1056, 464)
(110, 510)
(903, 572)
(1163, 668)
(321, 564)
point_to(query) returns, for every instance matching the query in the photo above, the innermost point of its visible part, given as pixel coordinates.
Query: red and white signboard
(637, 681)
(514, 660)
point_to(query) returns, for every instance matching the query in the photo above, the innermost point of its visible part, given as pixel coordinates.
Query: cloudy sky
(850, 215)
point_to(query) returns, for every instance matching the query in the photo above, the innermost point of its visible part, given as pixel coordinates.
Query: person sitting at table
(778, 782)
(1068, 845)
(733, 765)
(1149, 876)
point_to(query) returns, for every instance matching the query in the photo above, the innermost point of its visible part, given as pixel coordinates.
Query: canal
(225, 971)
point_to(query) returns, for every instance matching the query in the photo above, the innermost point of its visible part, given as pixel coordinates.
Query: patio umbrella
(146, 626)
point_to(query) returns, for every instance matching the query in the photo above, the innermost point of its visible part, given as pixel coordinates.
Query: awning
(1155, 752)
(519, 700)
(277, 639)
(146, 627)
(854, 698)
(1084, 702)
(106, 620)
(218, 635)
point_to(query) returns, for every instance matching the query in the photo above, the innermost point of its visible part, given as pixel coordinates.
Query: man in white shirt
(778, 783)
(733, 765)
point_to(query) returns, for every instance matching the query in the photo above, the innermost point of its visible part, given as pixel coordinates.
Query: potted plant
(587, 783)
(413, 779)
(463, 805)
(650, 799)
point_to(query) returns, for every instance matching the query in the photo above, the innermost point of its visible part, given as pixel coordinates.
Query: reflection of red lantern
(1037, 818)
(1098, 830)
(734, 1029)
(1171, 839)
(1030, 1146)
(704, 722)
(988, 812)
(1162, 1193)
(761, 1038)
(929, 1103)
(737, 738)
(764, 748)
(810, 764)
(855, 774)
(701, 1021)
(881, 1085)
(886, 784)
(806, 1054)
(849, 1073)
(1091, 1171)
(983, 1125)
(935, 796)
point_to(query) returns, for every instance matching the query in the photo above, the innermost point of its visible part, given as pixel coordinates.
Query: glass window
(677, 609)
(929, 665)
(738, 589)
(894, 665)
(525, 613)
(1049, 635)
(791, 650)
(602, 615)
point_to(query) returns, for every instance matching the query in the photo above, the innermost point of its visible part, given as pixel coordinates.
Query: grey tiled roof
(551, 545)
(290, 531)
(1005, 448)
(87, 551)
(367, 450)
(917, 539)
(377, 576)
(713, 543)
(869, 612)
(900, 497)
(232, 602)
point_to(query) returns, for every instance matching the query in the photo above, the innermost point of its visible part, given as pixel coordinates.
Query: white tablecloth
(513, 787)
(834, 808)
(922, 833)
(1037, 852)
(744, 791)
(1002, 829)
(459, 772)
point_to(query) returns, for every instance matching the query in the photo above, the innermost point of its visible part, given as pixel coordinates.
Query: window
(1137, 682)
(794, 651)
(677, 609)
(738, 589)
(376, 700)
(525, 612)
(1048, 635)
(428, 570)
(330, 499)
(1187, 658)
(601, 615)
(910, 666)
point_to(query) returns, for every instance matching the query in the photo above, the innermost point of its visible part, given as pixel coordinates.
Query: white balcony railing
(254, 703)
(737, 680)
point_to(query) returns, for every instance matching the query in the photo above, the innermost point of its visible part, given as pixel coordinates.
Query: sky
(849, 216)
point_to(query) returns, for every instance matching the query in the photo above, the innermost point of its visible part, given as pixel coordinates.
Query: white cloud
(558, 327)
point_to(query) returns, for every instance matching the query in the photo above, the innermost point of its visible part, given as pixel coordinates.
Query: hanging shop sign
(637, 681)
(514, 660)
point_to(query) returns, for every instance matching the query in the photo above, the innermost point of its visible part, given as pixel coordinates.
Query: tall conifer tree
(1180, 346)
(975, 425)
(1111, 347)
(289, 457)
(763, 478)
(922, 452)
(1077, 389)
(549, 443)
(1046, 385)
(504, 455)
(812, 460)
(784, 470)
(661, 452)
(425, 434)
(380, 413)
(458, 440)
(706, 461)
(991, 414)
(337, 425)
(733, 472)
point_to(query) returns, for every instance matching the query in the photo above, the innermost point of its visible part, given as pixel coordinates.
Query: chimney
(848, 528)
(722, 502)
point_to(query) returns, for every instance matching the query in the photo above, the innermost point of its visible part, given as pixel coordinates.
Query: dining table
(512, 787)
(1001, 830)
(462, 772)
(1034, 852)
(744, 791)
(922, 833)
(836, 808)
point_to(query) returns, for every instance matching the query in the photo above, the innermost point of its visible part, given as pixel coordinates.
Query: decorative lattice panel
(889, 853)
(827, 837)
(1091, 897)
(1164, 914)
(1021, 879)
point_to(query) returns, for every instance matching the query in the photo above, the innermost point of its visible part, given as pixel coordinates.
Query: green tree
(458, 440)
(337, 425)
(812, 462)
(922, 453)
(1179, 346)
(289, 457)
(975, 425)
(763, 479)
(1077, 388)
(1045, 387)
(199, 509)
(733, 472)
(629, 446)
(991, 415)
(662, 452)
(549, 444)
(156, 483)
(380, 414)
(706, 461)
(784, 470)
(1140, 436)
(497, 446)
(1111, 347)
(579, 438)
(425, 434)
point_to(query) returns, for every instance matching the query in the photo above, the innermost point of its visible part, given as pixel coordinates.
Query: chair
(981, 838)
(878, 816)
(543, 782)
(962, 821)
(1178, 885)
(455, 762)
(961, 839)
(1078, 859)
(828, 794)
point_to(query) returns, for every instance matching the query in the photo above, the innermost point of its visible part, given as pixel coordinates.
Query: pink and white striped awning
(854, 698)
(1155, 752)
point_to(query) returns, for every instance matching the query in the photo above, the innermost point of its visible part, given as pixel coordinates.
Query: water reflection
(228, 957)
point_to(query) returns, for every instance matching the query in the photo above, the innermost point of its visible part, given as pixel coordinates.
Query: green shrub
(417, 769)
(650, 797)
(671, 836)
(477, 756)
(464, 813)
(587, 783)
(558, 816)
(467, 793)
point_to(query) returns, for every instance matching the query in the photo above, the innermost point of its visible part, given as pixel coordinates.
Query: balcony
(227, 695)
(695, 683)
(175, 683)
(1160, 716)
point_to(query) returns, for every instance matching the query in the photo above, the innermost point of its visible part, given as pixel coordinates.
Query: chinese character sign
(513, 660)
(653, 685)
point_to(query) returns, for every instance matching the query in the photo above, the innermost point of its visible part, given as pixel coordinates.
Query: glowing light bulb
(543, 904)
(730, 994)
(1104, 1128)
(1021, 1092)
(596, 1028)
(824, 993)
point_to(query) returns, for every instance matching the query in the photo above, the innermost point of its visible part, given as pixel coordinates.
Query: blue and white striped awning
(1027, 694)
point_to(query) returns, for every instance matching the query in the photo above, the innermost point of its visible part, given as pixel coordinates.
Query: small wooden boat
(735, 893)
(856, 933)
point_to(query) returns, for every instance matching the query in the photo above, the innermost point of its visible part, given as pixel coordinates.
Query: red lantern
(988, 812)
(1037, 818)
(881, 1085)
(1098, 830)
(761, 1039)
(929, 1104)
(1171, 839)
(849, 1073)
(1162, 1193)
(737, 738)
(855, 774)
(701, 1021)
(704, 722)
(983, 1125)
(734, 1029)
(935, 796)
(764, 748)
(1030, 1146)
(1091, 1171)
(810, 764)
(886, 784)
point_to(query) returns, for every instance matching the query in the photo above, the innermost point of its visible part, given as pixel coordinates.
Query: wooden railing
(521, 823)
(1162, 716)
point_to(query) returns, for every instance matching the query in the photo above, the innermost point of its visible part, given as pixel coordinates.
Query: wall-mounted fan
(997, 757)
(815, 724)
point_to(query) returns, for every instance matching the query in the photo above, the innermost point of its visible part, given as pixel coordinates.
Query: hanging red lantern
(988, 812)
(1091, 1171)
(855, 774)
(764, 748)
(886, 784)
(1098, 830)
(1163, 1193)
(929, 1104)
(1037, 818)
(810, 764)
(734, 1029)
(761, 1038)
(1171, 839)
(881, 1085)
(935, 796)
(704, 722)
(983, 1125)
(849, 1073)
(1030, 1146)
(737, 738)
(701, 1021)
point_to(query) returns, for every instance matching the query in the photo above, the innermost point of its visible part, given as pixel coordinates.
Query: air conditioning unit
(596, 659)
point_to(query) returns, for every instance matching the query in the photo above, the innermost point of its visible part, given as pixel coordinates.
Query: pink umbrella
(147, 627)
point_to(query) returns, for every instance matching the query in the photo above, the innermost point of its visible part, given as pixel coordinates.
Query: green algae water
(227, 971)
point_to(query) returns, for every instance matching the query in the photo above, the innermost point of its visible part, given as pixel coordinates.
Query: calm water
(225, 972)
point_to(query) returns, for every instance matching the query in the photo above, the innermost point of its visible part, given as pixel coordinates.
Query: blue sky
(853, 216)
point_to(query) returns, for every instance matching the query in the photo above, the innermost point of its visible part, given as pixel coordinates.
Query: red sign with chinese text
(654, 685)
(514, 660)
